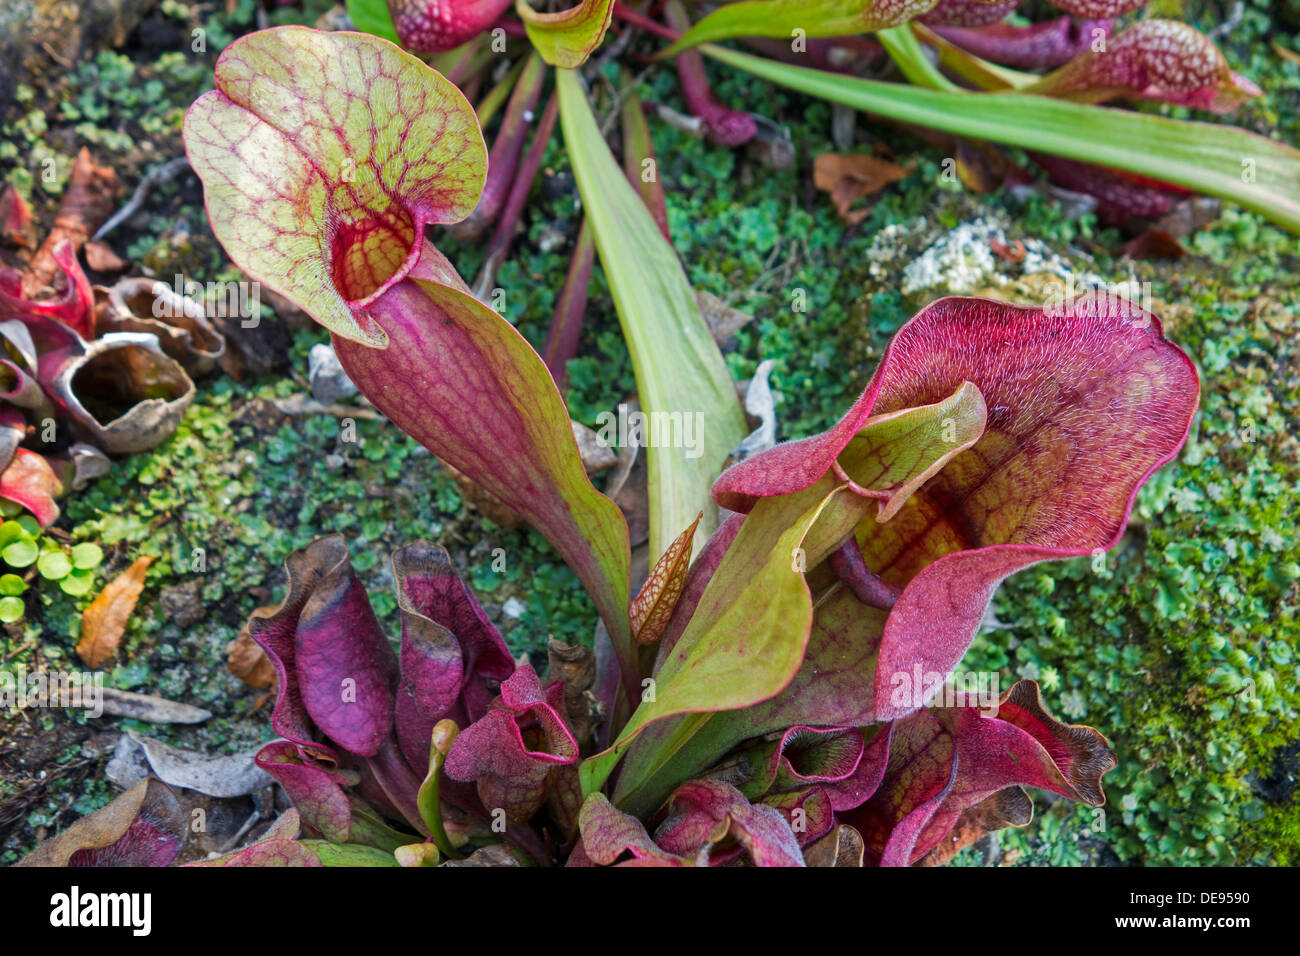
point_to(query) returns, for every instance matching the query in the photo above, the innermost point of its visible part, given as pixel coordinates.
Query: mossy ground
(1181, 644)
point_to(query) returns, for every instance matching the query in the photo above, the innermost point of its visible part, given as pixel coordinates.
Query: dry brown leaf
(103, 623)
(102, 258)
(247, 661)
(575, 667)
(841, 847)
(16, 225)
(488, 504)
(723, 321)
(87, 202)
(849, 178)
(1284, 53)
(144, 826)
(1154, 244)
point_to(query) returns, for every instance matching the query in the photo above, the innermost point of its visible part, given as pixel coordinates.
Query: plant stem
(514, 208)
(645, 23)
(726, 127)
(638, 147)
(867, 586)
(503, 161)
(566, 325)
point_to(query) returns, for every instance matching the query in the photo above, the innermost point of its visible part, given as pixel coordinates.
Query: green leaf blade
(679, 370)
(1256, 173)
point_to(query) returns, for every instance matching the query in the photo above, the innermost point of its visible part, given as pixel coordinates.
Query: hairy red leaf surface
(968, 13)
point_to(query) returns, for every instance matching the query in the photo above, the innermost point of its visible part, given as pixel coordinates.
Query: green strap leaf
(798, 18)
(680, 374)
(1256, 173)
(373, 16)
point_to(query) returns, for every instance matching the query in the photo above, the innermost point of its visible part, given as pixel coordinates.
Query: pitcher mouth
(368, 256)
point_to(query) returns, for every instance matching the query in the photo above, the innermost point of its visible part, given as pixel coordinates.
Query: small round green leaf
(11, 585)
(87, 556)
(53, 565)
(12, 609)
(29, 524)
(77, 583)
(20, 553)
(9, 508)
(11, 531)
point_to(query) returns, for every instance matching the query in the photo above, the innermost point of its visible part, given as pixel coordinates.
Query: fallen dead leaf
(103, 623)
(247, 661)
(1154, 244)
(87, 202)
(841, 847)
(124, 703)
(1284, 53)
(220, 775)
(723, 321)
(1015, 252)
(102, 258)
(850, 177)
